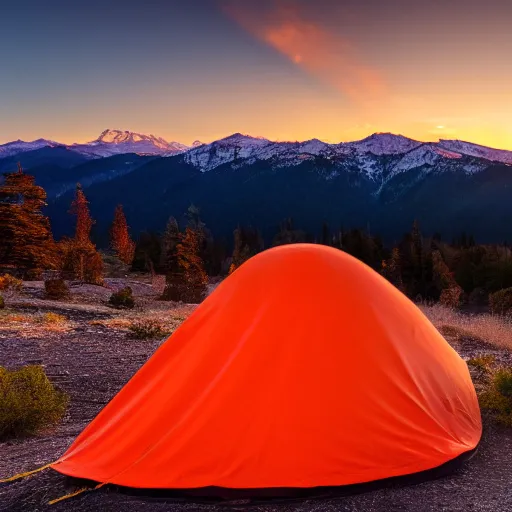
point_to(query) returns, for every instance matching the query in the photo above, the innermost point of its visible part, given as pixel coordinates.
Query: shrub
(122, 298)
(483, 362)
(56, 288)
(8, 282)
(2, 302)
(33, 274)
(147, 329)
(52, 318)
(498, 397)
(451, 297)
(500, 302)
(28, 402)
(179, 289)
(482, 366)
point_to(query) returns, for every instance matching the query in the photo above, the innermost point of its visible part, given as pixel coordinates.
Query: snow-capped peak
(21, 146)
(112, 142)
(123, 137)
(244, 140)
(229, 149)
(476, 150)
(383, 144)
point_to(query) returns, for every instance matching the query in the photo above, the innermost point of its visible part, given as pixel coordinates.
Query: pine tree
(288, 234)
(237, 250)
(416, 258)
(148, 253)
(248, 242)
(80, 254)
(208, 249)
(84, 222)
(188, 282)
(26, 240)
(449, 289)
(170, 241)
(194, 219)
(392, 269)
(120, 240)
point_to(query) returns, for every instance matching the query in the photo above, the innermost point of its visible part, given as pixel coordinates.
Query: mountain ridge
(384, 180)
(238, 146)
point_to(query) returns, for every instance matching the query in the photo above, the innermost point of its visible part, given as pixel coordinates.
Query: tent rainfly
(303, 369)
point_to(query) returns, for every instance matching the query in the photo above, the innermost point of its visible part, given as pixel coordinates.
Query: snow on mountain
(470, 149)
(364, 155)
(20, 146)
(228, 150)
(314, 147)
(382, 144)
(115, 142)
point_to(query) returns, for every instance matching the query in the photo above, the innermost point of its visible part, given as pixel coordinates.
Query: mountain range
(381, 183)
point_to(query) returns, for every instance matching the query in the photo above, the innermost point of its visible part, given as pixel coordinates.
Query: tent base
(273, 494)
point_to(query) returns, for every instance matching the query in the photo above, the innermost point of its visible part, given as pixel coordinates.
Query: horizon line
(257, 137)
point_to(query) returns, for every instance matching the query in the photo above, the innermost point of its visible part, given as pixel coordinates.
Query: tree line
(427, 268)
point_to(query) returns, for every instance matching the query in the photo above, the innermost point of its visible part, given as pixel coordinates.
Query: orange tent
(304, 368)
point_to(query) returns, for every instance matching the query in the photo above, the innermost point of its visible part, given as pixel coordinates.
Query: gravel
(92, 363)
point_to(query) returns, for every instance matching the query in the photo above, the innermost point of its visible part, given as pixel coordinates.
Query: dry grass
(168, 320)
(491, 329)
(29, 325)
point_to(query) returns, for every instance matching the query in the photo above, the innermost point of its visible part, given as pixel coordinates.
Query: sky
(192, 70)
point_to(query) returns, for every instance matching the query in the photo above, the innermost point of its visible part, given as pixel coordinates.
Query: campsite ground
(89, 354)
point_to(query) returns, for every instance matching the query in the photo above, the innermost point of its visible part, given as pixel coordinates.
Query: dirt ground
(91, 362)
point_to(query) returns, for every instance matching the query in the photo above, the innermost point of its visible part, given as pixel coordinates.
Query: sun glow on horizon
(286, 69)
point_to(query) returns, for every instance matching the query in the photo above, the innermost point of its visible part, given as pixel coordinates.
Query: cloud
(324, 54)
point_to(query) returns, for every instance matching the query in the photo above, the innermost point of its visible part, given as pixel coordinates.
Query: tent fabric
(304, 368)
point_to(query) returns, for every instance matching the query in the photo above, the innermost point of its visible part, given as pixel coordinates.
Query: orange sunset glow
(282, 69)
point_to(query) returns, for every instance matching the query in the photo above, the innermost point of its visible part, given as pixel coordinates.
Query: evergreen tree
(188, 282)
(148, 253)
(392, 269)
(416, 265)
(450, 293)
(26, 240)
(80, 254)
(287, 234)
(170, 241)
(363, 247)
(84, 222)
(210, 252)
(194, 219)
(417, 248)
(120, 240)
(248, 242)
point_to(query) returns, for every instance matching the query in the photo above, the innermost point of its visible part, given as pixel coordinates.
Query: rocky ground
(90, 356)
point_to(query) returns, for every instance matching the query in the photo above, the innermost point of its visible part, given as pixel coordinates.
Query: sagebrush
(498, 396)
(122, 298)
(147, 329)
(500, 302)
(29, 402)
(56, 289)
